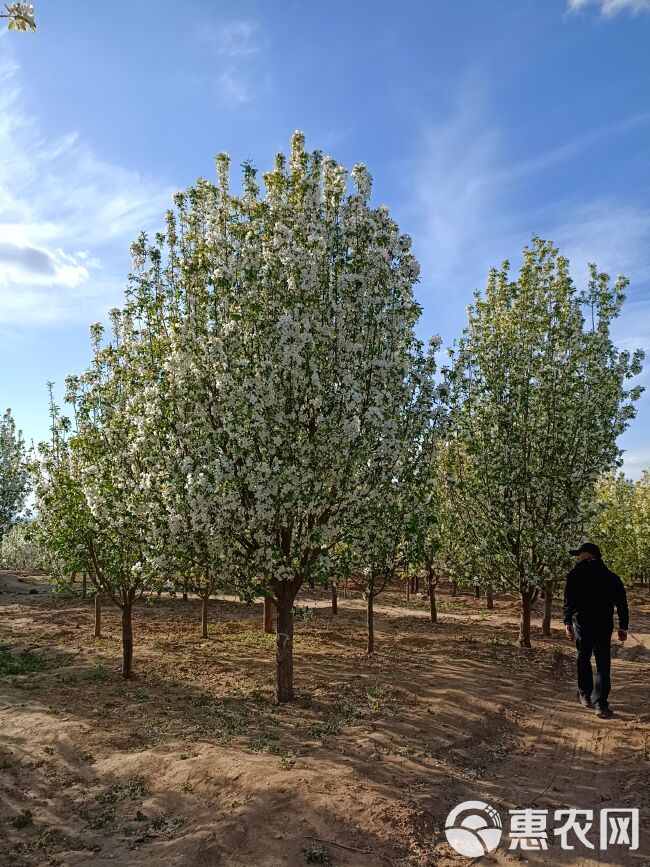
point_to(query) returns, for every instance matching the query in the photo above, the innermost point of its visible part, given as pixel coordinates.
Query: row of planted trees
(263, 412)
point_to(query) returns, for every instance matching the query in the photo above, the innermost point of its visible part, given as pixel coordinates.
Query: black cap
(586, 548)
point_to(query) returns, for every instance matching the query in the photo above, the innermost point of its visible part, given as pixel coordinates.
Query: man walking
(590, 594)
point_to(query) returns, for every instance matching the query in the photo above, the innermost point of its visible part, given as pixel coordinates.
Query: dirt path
(191, 763)
(13, 585)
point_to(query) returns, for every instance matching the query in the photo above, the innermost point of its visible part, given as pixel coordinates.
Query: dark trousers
(596, 640)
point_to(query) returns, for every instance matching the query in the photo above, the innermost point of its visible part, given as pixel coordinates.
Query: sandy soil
(192, 763)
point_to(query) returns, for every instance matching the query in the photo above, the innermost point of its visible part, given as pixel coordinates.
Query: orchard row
(262, 411)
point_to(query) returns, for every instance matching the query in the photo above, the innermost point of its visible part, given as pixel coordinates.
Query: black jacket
(590, 594)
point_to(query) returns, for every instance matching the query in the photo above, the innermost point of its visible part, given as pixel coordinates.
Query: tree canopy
(538, 398)
(14, 477)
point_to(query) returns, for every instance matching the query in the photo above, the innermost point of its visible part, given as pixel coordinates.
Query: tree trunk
(546, 620)
(489, 600)
(454, 588)
(416, 583)
(285, 593)
(311, 583)
(127, 640)
(408, 589)
(433, 611)
(267, 616)
(477, 592)
(524, 620)
(335, 599)
(371, 621)
(204, 615)
(284, 651)
(431, 592)
(98, 616)
(84, 586)
(185, 590)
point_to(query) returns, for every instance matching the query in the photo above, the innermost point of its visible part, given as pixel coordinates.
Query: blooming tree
(379, 548)
(621, 525)
(20, 549)
(293, 361)
(169, 454)
(453, 555)
(63, 527)
(538, 399)
(125, 542)
(14, 477)
(427, 523)
(20, 16)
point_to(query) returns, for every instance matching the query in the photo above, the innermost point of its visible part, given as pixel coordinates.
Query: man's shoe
(584, 700)
(604, 712)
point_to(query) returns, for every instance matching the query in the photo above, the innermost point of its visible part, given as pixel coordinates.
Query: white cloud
(234, 88)
(64, 213)
(615, 236)
(514, 174)
(610, 8)
(464, 194)
(452, 196)
(236, 39)
(237, 47)
(635, 461)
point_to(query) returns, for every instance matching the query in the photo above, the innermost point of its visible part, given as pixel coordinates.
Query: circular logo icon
(473, 828)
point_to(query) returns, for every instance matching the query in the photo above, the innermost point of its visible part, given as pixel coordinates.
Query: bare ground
(192, 763)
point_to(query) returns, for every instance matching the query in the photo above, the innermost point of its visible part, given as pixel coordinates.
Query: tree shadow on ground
(373, 754)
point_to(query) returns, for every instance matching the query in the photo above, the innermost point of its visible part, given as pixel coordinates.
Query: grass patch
(376, 696)
(347, 712)
(322, 730)
(95, 821)
(453, 605)
(248, 639)
(222, 723)
(266, 744)
(166, 825)
(23, 663)
(23, 819)
(190, 754)
(317, 855)
(46, 842)
(104, 710)
(132, 789)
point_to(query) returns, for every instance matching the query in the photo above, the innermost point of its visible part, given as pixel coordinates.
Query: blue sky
(482, 122)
